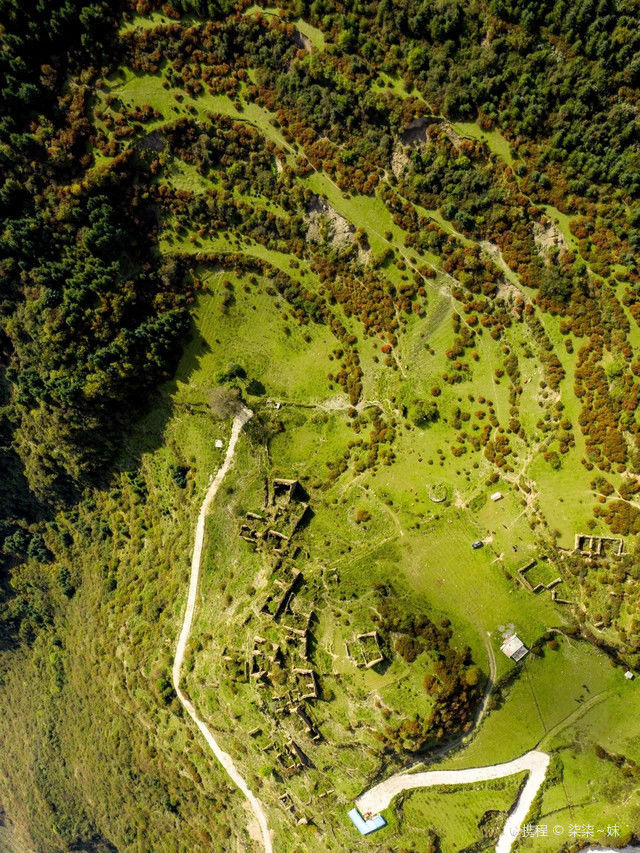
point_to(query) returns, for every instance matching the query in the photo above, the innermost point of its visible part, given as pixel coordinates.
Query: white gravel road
(535, 763)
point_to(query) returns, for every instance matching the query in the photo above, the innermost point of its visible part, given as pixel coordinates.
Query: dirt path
(223, 757)
(536, 763)
(574, 715)
(493, 669)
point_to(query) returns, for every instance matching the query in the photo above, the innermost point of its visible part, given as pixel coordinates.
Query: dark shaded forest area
(91, 314)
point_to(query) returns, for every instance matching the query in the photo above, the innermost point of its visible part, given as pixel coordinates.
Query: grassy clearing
(253, 333)
(459, 815)
(394, 84)
(496, 142)
(315, 36)
(591, 791)
(149, 21)
(140, 89)
(550, 693)
(430, 566)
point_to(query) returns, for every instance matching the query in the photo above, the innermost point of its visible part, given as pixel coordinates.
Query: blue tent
(366, 826)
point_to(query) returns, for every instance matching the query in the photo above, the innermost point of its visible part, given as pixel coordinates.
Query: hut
(366, 826)
(514, 648)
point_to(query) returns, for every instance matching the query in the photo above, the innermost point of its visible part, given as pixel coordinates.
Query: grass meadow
(565, 699)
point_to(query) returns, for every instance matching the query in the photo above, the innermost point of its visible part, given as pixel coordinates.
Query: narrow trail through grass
(223, 757)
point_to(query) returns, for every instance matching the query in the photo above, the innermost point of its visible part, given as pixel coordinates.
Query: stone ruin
(298, 632)
(369, 650)
(283, 640)
(281, 593)
(540, 587)
(597, 546)
(282, 514)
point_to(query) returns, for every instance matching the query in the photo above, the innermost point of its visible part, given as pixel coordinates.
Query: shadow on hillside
(135, 432)
(97, 844)
(147, 432)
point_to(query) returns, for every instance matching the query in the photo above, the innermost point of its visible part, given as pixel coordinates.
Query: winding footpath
(223, 757)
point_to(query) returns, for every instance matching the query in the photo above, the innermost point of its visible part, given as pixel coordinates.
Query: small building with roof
(514, 648)
(365, 827)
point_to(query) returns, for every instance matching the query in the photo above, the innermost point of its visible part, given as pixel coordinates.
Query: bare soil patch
(416, 132)
(399, 160)
(547, 237)
(302, 41)
(326, 225)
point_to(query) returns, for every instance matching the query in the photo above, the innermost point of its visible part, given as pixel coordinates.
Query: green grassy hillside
(423, 307)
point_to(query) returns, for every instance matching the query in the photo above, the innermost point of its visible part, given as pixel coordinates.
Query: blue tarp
(366, 826)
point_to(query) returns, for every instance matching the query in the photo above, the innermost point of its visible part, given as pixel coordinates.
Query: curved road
(535, 762)
(223, 757)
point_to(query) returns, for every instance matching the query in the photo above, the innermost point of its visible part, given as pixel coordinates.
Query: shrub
(423, 413)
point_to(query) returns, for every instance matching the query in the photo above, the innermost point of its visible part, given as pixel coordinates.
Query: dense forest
(559, 79)
(92, 315)
(95, 312)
